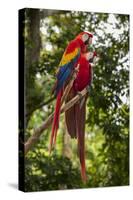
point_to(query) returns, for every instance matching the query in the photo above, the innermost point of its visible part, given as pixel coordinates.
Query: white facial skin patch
(85, 37)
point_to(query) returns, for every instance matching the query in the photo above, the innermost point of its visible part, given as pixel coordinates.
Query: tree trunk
(32, 55)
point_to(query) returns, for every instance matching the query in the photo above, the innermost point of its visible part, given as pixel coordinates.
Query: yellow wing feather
(68, 57)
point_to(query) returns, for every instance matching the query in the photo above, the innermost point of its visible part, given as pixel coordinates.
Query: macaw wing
(68, 62)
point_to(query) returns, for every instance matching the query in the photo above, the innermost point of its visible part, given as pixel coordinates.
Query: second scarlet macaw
(75, 116)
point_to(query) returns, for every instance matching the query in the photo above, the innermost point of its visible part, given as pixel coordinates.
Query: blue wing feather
(62, 80)
(64, 73)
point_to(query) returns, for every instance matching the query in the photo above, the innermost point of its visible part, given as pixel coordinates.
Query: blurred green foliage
(107, 122)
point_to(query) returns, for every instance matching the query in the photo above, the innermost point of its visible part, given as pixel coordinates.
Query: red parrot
(68, 62)
(75, 116)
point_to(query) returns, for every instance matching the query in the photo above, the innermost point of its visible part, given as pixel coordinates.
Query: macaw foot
(81, 99)
(80, 95)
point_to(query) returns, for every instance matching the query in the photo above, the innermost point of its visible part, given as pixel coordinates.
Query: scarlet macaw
(75, 117)
(71, 57)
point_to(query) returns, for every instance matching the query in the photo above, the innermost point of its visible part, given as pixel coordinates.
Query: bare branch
(37, 132)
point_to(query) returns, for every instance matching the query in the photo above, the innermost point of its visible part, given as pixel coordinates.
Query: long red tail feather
(55, 123)
(80, 130)
(82, 159)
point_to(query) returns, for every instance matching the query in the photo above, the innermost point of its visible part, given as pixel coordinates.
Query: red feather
(55, 124)
(80, 116)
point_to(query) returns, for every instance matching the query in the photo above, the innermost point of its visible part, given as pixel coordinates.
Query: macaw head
(86, 37)
(92, 57)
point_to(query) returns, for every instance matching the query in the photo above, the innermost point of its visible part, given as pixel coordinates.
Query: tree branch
(41, 105)
(38, 131)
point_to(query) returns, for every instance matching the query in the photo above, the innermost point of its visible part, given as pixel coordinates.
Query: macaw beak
(87, 42)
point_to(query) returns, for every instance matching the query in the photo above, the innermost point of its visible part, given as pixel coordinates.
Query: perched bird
(67, 64)
(75, 116)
